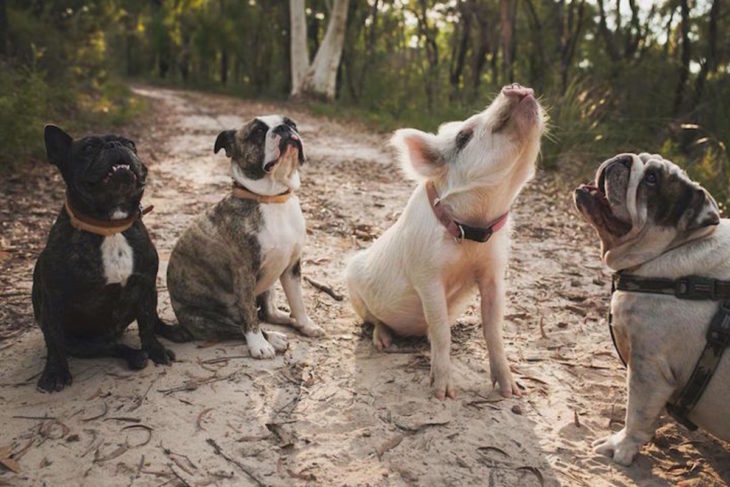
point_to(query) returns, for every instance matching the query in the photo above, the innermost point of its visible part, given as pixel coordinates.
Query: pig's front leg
(435, 310)
(491, 289)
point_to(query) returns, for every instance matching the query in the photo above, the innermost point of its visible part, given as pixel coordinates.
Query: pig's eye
(463, 138)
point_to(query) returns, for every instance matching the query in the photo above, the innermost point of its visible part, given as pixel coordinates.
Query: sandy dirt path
(330, 411)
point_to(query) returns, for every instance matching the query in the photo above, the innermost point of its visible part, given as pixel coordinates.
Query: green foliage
(609, 86)
(57, 70)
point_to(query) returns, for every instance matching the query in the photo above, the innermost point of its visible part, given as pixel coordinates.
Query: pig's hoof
(382, 337)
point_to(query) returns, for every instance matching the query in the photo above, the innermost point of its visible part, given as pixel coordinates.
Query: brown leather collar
(105, 228)
(239, 191)
(461, 231)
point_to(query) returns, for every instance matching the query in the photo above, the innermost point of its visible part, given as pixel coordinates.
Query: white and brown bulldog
(655, 222)
(223, 268)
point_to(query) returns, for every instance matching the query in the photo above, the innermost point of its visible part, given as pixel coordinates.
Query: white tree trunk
(299, 52)
(320, 78)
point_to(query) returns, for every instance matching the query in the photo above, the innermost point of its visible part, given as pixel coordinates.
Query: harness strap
(718, 334)
(718, 339)
(689, 287)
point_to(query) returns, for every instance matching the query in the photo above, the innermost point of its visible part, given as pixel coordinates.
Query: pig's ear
(420, 153)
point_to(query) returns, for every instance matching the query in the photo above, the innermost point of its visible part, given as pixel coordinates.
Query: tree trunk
(709, 65)
(569, 42)
(458, 58)
(224, 66)
(608, 36)
(684, 67)
(321, 77)
(4, 44)
(299, 53)
(507, 17)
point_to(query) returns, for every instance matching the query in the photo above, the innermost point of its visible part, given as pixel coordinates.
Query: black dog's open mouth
(121, 170)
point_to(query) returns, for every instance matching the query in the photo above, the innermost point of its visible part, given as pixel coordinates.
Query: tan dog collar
(104, 228)
(239, 191)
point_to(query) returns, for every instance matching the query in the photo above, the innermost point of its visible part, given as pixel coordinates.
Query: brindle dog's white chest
(117, 259)
(281, 238)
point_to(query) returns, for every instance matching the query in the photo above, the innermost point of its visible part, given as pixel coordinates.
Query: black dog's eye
(463, 138)
(130, 144)
(650, 178)
(89, 148)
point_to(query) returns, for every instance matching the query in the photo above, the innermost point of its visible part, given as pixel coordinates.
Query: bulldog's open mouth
(591, 200)
(120, 170)
(290, 148)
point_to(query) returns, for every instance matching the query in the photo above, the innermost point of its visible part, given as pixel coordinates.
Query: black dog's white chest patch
(117, 259)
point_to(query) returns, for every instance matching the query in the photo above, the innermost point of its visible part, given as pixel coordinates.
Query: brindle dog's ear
(58, 145)
(705, 211)
(226, 140)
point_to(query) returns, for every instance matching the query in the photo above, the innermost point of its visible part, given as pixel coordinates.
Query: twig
(198, 423)
(220, 452)
(325, 289)
(191, 385)
(34, 417)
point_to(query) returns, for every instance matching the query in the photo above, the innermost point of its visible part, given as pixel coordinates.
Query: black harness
(718, 334)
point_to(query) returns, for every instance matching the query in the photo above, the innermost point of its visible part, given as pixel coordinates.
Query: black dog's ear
(226, 140)
(58, 145)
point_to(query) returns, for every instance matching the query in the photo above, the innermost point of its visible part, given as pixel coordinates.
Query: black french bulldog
(98, 271)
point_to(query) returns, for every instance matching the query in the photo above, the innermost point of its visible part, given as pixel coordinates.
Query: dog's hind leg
(269, 313)
(649, 391)
(78, 347)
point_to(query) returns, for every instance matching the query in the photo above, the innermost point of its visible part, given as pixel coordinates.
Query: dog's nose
(112, 144)
(515, 90)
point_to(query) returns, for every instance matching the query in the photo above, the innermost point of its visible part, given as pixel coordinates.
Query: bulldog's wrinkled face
(266, 147)
(103, 175)
(643, 205)
(481, 150)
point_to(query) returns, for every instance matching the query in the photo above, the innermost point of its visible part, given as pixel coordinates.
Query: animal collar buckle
(461, 231)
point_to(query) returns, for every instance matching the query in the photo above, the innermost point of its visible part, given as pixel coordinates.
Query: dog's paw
(258, 347)
(309, 328)
(277, 340)
(382, 338)
(174, 333)
(54, 379)
(442, 383)
(137, 360)
(502, 376)
(159, 354)
(619, 446)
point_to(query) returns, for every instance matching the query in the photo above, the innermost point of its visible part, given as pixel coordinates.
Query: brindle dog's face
(642, 205)
(266, 147)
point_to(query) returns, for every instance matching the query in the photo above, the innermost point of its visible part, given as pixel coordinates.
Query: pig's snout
(517, 91)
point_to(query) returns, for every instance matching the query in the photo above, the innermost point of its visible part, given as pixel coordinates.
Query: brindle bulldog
(655, 222)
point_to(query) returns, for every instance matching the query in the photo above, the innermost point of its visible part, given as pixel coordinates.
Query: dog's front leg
(55, 374)
(142, 290)
(435, 310)
(491, 290)
(649, 390)
(291, 281)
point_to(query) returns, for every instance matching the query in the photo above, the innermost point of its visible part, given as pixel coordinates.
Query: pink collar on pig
(461, 231)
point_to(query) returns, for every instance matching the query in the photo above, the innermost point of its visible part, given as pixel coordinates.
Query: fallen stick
(325, 289)
(220, 452)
